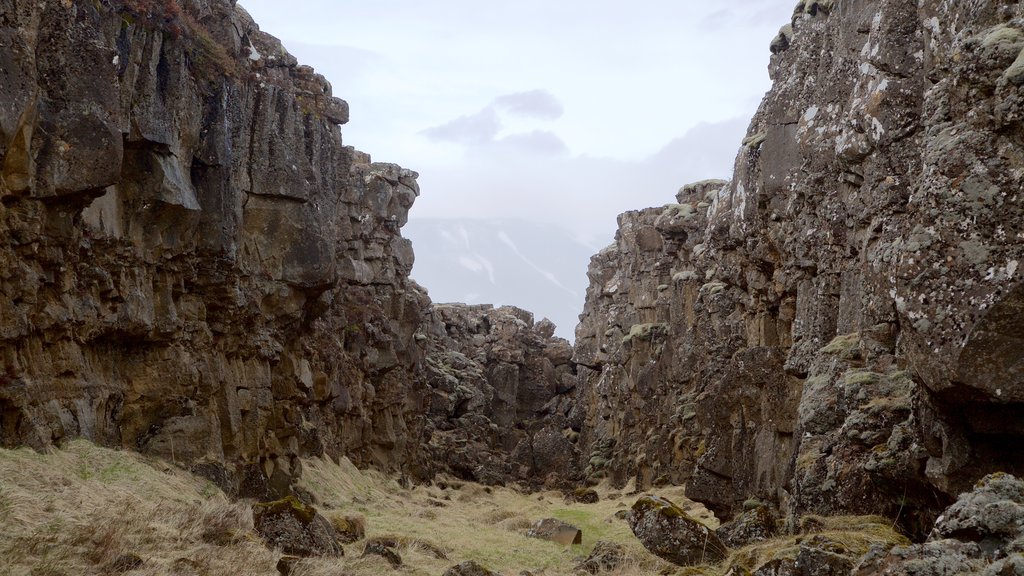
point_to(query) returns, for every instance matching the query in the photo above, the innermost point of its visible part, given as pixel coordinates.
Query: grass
(473, 522)
(855, 534)
(78, 510)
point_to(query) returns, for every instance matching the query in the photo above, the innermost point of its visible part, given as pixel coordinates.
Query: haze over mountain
(507, 261)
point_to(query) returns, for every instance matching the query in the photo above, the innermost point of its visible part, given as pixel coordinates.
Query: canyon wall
(193, 265)
(837, 328)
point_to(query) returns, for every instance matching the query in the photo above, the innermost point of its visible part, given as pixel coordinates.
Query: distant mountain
(539, 267)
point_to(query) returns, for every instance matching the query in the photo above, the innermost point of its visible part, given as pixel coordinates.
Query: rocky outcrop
(661, 352)
(981, 533)
(835, 329)
(754, 525)
(556, 530)
(605, 557)
(296, 528)
(667, 531)
(191, 262)
(500, 395)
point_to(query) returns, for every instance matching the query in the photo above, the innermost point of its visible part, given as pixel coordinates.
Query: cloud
(539, 104)
(478, 128)
(581, 193)
(535, 142)
(755, 14)
(482, 129)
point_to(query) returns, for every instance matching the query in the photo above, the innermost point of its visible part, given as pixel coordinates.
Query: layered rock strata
(191, 264)
(836, 329)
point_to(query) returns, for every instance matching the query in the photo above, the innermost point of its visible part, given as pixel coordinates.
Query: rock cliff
(837, 328)
(193, 265)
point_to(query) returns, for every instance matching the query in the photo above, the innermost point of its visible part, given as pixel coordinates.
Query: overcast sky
(564, 111)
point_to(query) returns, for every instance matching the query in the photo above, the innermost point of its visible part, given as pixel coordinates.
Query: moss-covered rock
(469, 568)
(605, 557)
(556, 531)
(585, 495)
(350, 527)
(757, 523)
(668, 532)
(645, 332)
(296, 528)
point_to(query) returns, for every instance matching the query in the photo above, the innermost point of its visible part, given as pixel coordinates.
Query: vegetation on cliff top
(209, 58)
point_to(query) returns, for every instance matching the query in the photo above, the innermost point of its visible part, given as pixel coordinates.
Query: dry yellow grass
(473, 522)
(76, 511)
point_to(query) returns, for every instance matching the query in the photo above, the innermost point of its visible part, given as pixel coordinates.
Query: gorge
(194, 266)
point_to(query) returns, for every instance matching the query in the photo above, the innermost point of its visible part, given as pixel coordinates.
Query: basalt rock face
(500, 391)
(836, 329)
(191, 262)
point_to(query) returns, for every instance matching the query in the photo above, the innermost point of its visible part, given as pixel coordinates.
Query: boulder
(585, 496)
(982, 532)
(287, 564)
(349, 527)
(821, 556)
(469, 568)
(556, 531)
(991, 515)
(296, 528)
(666, 530)
(817, 556)
(605, 557)
(754, 525)
(378, 548)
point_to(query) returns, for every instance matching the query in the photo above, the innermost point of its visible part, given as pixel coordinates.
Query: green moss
(1015, 73)
(752, 504)
(645, 332)
(848, 535)
(685, 211)
(712, 288)
(841, 345)
(754, 142)
(662, 506)
(989, 479)
(861, 378)
(287, 505)
(1002, 35)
